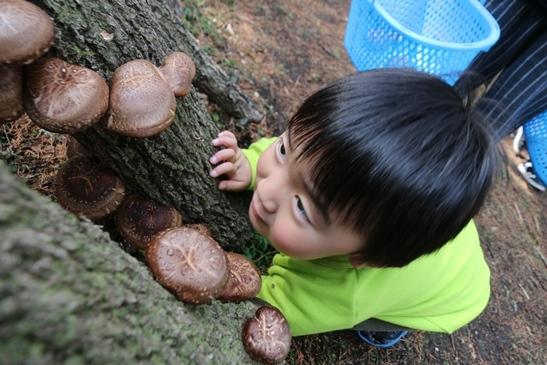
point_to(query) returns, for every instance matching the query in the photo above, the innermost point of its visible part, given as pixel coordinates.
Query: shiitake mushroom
(62, 97)
(189, 263)
(266, 336)
(87, 189)
(244, 280)
(26, 32)
(139, 219)
(141, 101)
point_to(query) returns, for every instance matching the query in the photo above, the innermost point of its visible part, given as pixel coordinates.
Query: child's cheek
(265, 162)
(288, 241)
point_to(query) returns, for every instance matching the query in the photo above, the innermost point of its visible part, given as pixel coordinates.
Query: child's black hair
(399, 157)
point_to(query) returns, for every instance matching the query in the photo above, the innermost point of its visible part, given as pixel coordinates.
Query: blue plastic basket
(440, 37)
(535, 134)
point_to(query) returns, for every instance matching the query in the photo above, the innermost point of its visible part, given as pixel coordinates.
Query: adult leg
(519, 23)
(520, 91)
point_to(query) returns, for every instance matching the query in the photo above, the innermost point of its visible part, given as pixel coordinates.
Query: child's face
(284, 210)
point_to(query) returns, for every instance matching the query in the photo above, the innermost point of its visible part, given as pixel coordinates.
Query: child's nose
(267, 196)
(269, 206)
(269, 190)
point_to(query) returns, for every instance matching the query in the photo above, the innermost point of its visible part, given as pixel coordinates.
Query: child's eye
(281, 152)
(282, 149)
(301, 210)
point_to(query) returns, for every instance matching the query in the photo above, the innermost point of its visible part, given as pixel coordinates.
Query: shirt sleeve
(253, 154)
(312, 298)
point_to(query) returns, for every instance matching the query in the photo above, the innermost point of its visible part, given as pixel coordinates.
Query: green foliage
(260, 252)
(230, 3)
(199, 24)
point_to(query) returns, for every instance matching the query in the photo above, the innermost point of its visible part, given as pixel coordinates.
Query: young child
(368, 196)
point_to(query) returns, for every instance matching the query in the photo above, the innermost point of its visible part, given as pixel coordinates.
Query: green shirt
(438, 292)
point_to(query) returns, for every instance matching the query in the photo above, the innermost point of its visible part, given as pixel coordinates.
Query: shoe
(527, 172)
(518, 141)
(383, 340)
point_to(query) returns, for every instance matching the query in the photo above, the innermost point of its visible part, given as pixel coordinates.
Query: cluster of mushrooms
(66, 98)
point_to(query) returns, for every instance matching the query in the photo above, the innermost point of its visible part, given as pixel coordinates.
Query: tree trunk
(68, 294)
(172, 167)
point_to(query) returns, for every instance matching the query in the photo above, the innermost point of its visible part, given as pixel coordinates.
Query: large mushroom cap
(244, 280)
(139, 219)
(64, 98)
(179, 70)
(26, 32)
(87, 189)
(266, 336)
(141, 102)
(11, 92)
(189, 263)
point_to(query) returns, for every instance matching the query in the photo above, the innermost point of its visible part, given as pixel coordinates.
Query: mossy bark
(68, 294)
(173, 166)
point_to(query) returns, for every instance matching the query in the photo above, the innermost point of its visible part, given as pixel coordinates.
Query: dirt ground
(281, 51)
(285, 50)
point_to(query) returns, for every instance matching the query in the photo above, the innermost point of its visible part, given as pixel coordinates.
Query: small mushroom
(139, 219)
(64, 98)
(87, 189)
(141, 102)
(179, 70)
(244, 280)
(26, 32)
(188, 263)
(11, 92)
(266, 336)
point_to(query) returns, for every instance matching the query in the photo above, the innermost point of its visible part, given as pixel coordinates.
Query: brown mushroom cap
(87, 189)
(179, 71)
(11, 92)
(244, 280)
(188, 263)
(266, 337)
(64, 98)
(139, 219)
(26, 32)
(141, 102)
(200, 227)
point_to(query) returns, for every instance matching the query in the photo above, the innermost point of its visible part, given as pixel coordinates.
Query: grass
(197, 23)
(260, 252)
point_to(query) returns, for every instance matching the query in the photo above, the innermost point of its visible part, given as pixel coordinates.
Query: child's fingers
(225, 141)
(222, 169)
(232, 185)
(222, 155)
(226, 134)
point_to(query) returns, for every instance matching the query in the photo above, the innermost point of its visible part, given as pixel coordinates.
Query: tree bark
(68, 294)
(172, 167)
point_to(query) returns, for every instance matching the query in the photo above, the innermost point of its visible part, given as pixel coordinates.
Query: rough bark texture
(172, 167)
(68, 294)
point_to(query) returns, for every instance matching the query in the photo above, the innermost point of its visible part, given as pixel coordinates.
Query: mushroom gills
(139, 219)
(85, 188)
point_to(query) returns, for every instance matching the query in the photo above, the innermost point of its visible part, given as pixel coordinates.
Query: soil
(282, 51)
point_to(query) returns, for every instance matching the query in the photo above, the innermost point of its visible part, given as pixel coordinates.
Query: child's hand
(230, 162)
